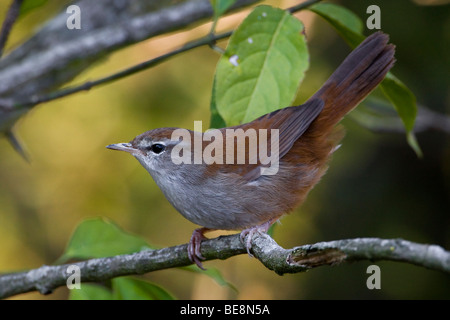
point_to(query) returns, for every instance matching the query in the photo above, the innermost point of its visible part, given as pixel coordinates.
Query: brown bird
(242, 196)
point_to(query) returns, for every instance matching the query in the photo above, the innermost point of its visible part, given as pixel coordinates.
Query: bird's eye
(157, 148)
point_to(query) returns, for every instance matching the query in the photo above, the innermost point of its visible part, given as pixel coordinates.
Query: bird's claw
(194, 246)
(246, 235)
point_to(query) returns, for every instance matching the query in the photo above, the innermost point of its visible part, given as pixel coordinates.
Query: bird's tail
(355, 78)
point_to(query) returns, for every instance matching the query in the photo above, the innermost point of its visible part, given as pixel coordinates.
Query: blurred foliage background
(375, 187)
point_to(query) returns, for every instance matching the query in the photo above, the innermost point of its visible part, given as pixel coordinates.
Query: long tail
(355, 78)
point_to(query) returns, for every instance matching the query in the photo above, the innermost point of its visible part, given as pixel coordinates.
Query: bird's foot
(247, 234)
(194, 253)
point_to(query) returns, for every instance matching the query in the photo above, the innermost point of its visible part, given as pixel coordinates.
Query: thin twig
(121, 74)
(379, 122)
(302, 5)
(11, 16)
(46, 278)
(209, 40)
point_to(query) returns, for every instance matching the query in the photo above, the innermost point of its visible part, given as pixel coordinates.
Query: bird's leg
(194, 253)
(248, 233)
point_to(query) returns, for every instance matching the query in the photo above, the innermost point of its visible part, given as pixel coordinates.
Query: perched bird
(239, 196)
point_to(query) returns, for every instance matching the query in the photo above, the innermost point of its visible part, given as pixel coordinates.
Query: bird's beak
(124, 146)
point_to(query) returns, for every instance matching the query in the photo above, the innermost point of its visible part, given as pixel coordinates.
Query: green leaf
(346, 23)
(350, 27)
(414, 144)
(262, 67)
(128, 288)
(216, 121)
(29, 5)
(124, 288)
(402, 98)
(404, 102)
(221, 6)
(271, 230)
(90, 292)
(97, 238)
(213, 273)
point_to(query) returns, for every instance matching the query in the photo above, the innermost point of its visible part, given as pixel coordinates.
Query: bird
(240, 196)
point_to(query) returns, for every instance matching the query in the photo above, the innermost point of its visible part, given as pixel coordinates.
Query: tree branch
(209, 39)
(46, 278)
(11, 16)
(28, 78)
(35, 100)
(55, 54)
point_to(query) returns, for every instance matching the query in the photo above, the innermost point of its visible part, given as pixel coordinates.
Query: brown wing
(291, 123)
